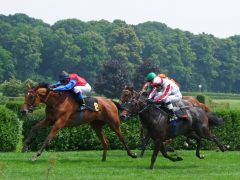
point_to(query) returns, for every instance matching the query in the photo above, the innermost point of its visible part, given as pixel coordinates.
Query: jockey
(147, 87)
(75, 83)
(165, 91)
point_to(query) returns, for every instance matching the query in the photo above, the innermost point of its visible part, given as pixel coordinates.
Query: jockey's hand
(149, 101)
(161, 103)
(51, 88)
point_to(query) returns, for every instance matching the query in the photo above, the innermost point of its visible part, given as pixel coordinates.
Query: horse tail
(214, 120)
(119, 106)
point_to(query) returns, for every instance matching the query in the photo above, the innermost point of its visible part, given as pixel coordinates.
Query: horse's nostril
(24, 112)
(123, 117)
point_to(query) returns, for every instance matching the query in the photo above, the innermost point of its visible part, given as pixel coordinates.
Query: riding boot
(173, 116)
(81, 102)
(173, 122)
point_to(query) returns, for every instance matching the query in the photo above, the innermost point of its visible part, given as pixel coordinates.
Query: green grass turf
(233, 103)
(88, 165)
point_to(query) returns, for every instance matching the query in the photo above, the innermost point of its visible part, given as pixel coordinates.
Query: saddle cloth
(91, 104)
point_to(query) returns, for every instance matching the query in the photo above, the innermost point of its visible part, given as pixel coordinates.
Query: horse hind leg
(198, 147)
(214, 139)
(205, 133)
(98, 128)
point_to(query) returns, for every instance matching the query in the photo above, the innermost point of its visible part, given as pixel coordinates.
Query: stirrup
(173, 118)
(82, 107)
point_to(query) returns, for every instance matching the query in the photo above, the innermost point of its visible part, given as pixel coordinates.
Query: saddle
(180, 112)
(91, 104)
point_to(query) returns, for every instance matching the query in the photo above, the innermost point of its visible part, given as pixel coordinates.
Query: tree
(113, 78)
(60, 53)
(6, 65)
(125, 45)
(26, 51)
(93, 54)
(12, 88)
(141, 72)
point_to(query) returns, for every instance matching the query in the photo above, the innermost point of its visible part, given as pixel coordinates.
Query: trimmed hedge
(10, 130)
(84, 138)
(81, 137)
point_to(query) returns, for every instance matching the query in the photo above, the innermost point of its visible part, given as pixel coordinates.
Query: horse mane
(42, 85)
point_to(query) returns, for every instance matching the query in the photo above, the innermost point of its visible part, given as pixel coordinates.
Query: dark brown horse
(155, 120)
(128, 93)
(62, 111)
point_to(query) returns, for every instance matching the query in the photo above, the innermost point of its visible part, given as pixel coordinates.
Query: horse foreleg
(97, 127)
(145, 142)
(198, 149)
(155, 153)
(35, 128)
(165, 154)
(57, 126)
(118, 131)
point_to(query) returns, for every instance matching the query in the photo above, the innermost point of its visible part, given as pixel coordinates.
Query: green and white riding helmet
(150, 76)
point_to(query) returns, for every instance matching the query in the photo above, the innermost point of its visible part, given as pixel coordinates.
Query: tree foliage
(30, 48)
(114, 76)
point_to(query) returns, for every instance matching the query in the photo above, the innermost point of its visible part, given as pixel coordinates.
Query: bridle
(134, 101)
(34, 95)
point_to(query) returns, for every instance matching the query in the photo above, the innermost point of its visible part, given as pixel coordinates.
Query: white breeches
(82, 89)
(177, 96)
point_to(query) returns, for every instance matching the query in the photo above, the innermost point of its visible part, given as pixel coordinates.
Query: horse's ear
(29, 86)
(130, 87)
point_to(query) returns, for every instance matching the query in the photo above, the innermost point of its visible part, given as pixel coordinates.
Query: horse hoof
(201, 157)
(24, 149)
(227, 147)
(185, 144)
(134, 155)
(33, 158)
(179, 158)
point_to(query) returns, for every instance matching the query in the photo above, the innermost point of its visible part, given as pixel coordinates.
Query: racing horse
(156, 121)
(128, 92)
(62, 111)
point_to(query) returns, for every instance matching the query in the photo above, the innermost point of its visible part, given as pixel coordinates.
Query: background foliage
(84, 138)
(30, 48)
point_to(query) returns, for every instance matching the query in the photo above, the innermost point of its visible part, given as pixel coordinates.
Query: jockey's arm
(66, 87)
(145, 86)
(152, 94)
(165, 92)
(55, 84)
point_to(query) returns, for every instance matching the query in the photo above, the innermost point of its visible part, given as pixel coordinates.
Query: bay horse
(196, 103)
(156, 121)
(62, 111)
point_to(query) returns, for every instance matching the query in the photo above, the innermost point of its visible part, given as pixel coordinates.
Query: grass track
(88, 165)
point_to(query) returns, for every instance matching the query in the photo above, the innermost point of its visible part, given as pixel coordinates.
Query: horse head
(33, 97)
(132, 101)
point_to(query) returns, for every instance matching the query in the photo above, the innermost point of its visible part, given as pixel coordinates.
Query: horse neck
(52, 99)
